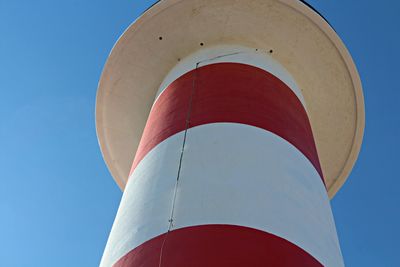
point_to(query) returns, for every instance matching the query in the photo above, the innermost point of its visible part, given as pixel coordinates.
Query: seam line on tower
(180, 161)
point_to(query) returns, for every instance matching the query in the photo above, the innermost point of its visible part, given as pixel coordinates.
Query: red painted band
(217, 246)
(230, 92)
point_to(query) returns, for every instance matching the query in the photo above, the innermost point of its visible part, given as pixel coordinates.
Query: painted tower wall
(227, 172)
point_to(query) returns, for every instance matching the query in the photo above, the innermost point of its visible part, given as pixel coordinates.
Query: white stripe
(146, 204)
(231, 174)
(234, 54)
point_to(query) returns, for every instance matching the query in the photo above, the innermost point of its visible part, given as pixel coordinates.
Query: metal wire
(187, 124)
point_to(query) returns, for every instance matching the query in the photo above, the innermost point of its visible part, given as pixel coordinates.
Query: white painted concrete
(147, 201)
(302, 41)
(242, 175)
(233, 54)
(231, 174)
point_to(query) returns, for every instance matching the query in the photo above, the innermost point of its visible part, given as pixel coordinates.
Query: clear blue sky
(57, 198)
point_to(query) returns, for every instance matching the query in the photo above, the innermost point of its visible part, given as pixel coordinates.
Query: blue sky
(57, 198)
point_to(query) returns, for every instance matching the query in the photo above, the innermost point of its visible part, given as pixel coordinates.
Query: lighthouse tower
(229, 125)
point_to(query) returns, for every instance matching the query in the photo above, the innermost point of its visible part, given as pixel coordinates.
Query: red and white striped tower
(228, 124)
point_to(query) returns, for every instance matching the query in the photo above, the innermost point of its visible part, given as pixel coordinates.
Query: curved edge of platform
(300, 6)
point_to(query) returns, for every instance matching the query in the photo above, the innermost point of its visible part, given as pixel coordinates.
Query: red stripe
(219, 246)
(230, 92)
